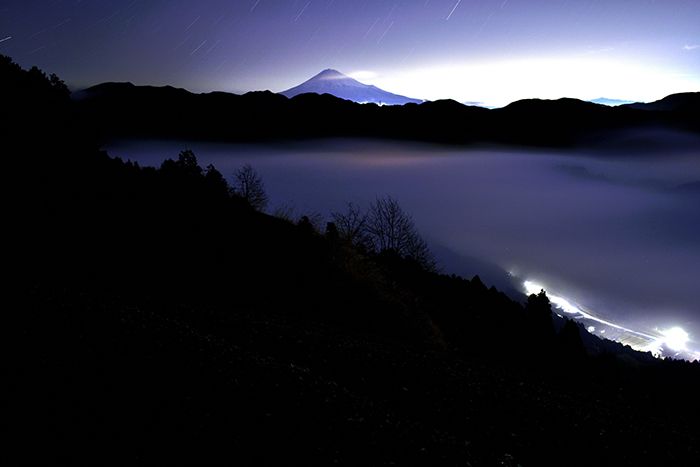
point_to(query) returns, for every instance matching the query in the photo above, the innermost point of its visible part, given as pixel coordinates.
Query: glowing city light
(531, 287)
(675, 338)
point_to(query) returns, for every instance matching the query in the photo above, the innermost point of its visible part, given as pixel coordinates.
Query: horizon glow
(489, 52)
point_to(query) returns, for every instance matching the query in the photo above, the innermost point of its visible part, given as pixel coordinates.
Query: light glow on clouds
(498, 83)
(675, 339)
(363, 75)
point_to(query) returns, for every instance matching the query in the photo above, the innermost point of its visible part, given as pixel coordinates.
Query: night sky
(490, 52)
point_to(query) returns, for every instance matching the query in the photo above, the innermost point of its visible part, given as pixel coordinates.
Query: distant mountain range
(337, 84)
(117, 110)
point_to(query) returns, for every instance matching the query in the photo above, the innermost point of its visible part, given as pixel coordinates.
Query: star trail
(490, 51)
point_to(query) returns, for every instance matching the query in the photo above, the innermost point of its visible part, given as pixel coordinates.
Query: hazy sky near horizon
(490, 51)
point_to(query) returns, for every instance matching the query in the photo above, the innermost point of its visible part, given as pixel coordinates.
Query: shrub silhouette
(539, 314)
(569, 343)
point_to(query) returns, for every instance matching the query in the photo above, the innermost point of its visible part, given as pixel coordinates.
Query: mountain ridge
(124, 110)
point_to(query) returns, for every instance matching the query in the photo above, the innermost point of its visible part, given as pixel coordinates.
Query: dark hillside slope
(102, 222)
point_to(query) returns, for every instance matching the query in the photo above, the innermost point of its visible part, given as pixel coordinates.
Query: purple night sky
(491, 51)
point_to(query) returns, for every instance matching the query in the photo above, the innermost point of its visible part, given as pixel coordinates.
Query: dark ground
(99, 377)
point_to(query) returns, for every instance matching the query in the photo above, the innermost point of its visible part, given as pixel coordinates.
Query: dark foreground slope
(101, 378)
(150, 316)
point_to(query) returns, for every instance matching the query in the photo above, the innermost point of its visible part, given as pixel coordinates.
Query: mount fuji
(337, 84)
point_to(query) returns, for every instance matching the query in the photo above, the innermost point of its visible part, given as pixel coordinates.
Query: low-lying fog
(615, 232)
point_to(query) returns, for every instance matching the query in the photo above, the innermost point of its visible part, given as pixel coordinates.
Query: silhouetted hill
(672, 102)
(563, 122)
(445, 121)
(102, 89)
(681, 110)
(123, 110)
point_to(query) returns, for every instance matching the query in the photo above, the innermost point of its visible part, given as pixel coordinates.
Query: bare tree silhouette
(385, 227)
(351, 223)
(247, 184)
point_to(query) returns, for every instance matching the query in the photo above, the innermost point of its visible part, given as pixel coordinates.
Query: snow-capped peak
(333, 82)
